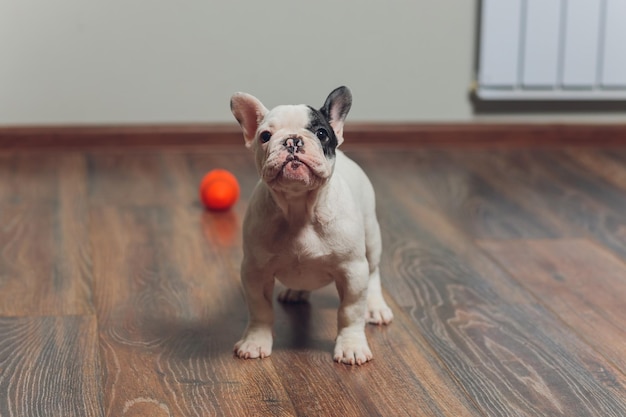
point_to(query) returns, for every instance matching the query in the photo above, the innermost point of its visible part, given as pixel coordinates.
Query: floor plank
(44, 248)
(502, 347)
(29, 177)
(113, 275)
(474, 203)
(179, 255)
(604, 163)
(166, 321)
(49, 366)
(570, 202)
(584, 285)
(404, 368)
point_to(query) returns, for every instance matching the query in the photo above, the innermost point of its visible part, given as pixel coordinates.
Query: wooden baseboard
(377, 134)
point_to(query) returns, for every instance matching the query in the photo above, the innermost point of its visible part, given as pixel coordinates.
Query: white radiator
(552, 50)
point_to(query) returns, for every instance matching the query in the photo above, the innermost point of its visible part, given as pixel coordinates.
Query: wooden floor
(120, 296)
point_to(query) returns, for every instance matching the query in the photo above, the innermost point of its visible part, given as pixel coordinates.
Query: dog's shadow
(206, 326)
(308, 326)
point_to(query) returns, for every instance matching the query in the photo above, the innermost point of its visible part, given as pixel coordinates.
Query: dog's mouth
(295, 169)
(293, 162)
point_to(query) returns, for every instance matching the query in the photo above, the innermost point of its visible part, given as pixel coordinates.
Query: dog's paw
(378, 313)
(352, 350)
(293, 296)
(254, 344)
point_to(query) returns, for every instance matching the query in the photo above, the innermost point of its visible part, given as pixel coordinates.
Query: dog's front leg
(256, 341)
(351, 346)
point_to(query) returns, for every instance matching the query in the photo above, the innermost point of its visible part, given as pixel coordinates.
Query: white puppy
(311, 221)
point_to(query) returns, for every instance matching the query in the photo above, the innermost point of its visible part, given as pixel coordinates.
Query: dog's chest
(309, 258)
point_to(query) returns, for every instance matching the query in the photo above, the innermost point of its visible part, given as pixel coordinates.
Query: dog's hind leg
(378, 312)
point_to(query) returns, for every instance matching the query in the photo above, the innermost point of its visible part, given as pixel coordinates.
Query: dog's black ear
(249, 112)
(336, 109)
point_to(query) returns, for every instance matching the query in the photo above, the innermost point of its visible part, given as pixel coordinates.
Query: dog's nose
(293, 145)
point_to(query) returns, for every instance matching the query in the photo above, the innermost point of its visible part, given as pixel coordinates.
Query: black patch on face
(319, 120)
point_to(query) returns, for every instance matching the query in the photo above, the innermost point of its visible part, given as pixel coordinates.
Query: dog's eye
(265, 136)
(322, 134)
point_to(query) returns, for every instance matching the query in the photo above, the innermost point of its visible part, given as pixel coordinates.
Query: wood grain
(403, 368)
(179, 309)
(572, 201)
(603, 163)
(583, 284)
(167, 322)
(28, 177)
(501, 346)
(473, 203)
(49, 367)
(115, 281)
(44, 248)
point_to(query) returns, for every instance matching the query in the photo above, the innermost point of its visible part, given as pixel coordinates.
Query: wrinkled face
(295, 148)
(294, 145)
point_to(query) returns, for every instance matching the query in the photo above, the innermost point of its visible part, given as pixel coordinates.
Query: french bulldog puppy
(310, 222)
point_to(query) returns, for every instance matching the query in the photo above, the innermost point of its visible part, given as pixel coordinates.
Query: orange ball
(219, 190)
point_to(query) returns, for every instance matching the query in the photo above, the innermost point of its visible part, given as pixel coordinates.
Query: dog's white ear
(336, 109)
(249, 112)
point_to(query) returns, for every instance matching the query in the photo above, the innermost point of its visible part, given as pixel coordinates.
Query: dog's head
(294, 144)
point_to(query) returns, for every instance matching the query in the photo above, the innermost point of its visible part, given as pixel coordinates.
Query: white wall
(167, 61)
(144, 61)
